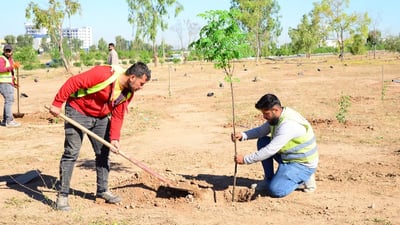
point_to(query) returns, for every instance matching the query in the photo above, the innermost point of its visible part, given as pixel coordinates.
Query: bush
(176, 60)
(28, 67)
(88, 63)
(77, 64)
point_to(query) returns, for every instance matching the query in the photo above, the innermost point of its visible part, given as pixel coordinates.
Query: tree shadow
(39, 186)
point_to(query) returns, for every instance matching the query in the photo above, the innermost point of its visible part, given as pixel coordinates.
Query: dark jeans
(73, 143)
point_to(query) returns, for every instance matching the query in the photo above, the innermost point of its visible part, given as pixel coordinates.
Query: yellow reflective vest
(301, 149)
(100, 86)
(6, 77)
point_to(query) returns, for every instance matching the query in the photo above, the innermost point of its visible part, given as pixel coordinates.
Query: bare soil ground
(178, 131)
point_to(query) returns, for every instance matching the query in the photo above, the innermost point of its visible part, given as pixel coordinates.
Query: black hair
(111, 44)
(139, 69)
(267, 102)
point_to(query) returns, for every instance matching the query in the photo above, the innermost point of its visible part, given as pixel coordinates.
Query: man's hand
(16, 65)
(116, 147)
(55, 111)
(236, 136)
(239, 159)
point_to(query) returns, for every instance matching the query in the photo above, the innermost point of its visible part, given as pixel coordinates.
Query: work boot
(62, 203)
(309, 186)
(109, 197)
(261, 186)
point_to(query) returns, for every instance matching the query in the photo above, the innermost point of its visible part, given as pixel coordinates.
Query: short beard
(274, 121)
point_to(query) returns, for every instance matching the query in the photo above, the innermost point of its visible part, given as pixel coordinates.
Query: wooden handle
(106, 143)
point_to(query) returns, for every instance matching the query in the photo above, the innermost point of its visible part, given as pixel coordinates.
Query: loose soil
(179, 125)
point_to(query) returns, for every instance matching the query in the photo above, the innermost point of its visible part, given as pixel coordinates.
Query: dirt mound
(141, 189)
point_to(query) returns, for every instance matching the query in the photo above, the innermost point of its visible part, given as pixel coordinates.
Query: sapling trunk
(234, 143)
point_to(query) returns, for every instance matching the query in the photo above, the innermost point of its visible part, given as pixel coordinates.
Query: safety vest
(6, 77)
(100, 86)
(301, 149)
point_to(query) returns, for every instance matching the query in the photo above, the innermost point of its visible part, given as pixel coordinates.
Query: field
(181, 133)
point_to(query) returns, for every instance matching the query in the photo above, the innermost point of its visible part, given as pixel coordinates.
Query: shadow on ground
(36, 186)
(90, 164)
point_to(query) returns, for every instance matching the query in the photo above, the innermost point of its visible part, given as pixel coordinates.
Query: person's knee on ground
(277, 191)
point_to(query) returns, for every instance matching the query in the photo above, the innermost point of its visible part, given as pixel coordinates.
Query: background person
(7, 84)
(98, 100)
(288, 138)
(112, 55)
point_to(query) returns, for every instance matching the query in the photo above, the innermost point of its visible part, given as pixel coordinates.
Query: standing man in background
(112, 55)
(7, 84)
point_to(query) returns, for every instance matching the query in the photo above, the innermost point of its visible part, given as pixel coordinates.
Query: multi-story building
(37, 34)
(84, 34)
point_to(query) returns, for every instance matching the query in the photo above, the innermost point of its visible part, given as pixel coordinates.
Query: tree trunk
(341, 45)
(61, 51)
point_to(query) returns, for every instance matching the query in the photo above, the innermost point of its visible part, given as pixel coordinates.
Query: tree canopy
(147, 16)
(52, 19)
(259, 18)
(334, 17)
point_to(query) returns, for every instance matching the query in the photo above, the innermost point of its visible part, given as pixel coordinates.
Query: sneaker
(309, 186)
(62, 203)
(13, 123)
(109, 197)
(260, 186)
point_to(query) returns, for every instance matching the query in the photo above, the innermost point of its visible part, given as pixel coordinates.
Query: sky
(109, 18)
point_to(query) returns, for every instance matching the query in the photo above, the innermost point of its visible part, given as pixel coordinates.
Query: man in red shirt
(98, 100)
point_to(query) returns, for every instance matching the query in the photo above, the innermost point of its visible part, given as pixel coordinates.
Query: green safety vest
(301, 149)
(6, 77)
(100, 86)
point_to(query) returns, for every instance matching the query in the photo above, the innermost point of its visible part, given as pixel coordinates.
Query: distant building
(37, 34)
(331, 43)
(84, 34)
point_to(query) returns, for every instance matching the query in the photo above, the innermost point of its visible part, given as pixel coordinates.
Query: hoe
(168, 183)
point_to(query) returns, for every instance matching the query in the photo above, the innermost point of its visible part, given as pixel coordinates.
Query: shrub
(77, 64)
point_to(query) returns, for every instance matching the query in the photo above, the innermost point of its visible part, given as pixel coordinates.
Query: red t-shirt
(97, 104)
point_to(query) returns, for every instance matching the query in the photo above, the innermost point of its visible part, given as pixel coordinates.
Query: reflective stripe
(302, 155)
(6, 77)
(300, 146)
(300, 149)
(100, 86)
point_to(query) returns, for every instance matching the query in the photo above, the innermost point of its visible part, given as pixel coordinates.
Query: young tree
(192, 29)
(24, 40)
(102, 45)
(357, 46)
(52, 19)
(10, 39)
(44, 44)
(392, 43)
(221, 41)
(121, 44)
(261, 21)
(338, 21)
(148, 16)
(178, 28)
(308, 34)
